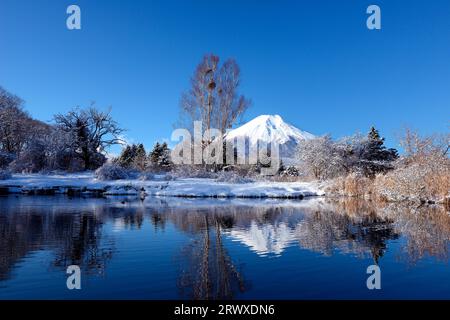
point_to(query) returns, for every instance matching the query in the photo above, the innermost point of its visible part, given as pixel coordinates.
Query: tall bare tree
(213, 97)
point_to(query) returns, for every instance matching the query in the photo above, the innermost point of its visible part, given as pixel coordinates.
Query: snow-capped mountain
(271, 129)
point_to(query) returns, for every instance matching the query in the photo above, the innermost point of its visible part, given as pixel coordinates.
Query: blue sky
(313, 62)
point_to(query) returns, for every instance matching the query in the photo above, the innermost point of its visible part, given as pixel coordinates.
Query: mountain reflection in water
(85, 232)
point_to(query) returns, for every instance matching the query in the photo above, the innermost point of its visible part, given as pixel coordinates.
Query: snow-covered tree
(366, 154)
(126, 157)
(320, 157)
(164, 161)
(133, 156)
(17, 128)
(92, 131)
(290, 171)
(32, 158)
(160, 157)
(12, 123)
(155, 154)
(140, 158)
(422, 173)
(47, 152)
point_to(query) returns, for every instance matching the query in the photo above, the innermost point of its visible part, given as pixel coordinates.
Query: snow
(85, 183)
(270, 129)
(211, 188)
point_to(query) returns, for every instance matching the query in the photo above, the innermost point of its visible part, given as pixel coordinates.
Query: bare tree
(14, 123)
(92, 132)
(18, 131)
(320, 157)
(7, 99)
(213, 97)
(419, 147)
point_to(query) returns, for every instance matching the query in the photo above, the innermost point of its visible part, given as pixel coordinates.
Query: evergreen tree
(155, 155)
(160, 156)
(139, 161)
(127, 156)
(376, 151)
(124, 159)
(375, 156)
(164, 160)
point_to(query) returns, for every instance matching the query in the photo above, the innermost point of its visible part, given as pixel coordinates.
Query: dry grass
(421, 175)
(353, 185)
(423, 182)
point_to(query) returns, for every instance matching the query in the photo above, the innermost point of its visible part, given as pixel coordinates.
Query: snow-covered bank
(85, 183)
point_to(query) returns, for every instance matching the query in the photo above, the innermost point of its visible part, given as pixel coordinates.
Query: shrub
(232, 177)
(290, 171)
(31, 159)
(353, 185)
(423, 174)
(110, 171)
(193, 171)
(424, 181)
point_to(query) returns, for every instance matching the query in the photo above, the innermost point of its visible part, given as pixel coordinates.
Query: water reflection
(73, 234)
(74, 231)
(427, 231)
(206, 269)
(361, 232)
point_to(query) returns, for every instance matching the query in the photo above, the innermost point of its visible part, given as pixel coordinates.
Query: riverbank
(87, 184)
(390, 188)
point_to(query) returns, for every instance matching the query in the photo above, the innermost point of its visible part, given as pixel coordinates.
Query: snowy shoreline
(86, 184)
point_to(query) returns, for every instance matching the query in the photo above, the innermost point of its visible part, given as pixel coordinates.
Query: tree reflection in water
(207, 271)
(74, 232)
(354, 229)
(71, 229)
(426, 229)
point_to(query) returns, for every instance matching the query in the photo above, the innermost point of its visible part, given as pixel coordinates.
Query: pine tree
(160, 156)
(125, 157)
(132, 156)
(155, 155)
(164, 160)
(376, 158)
(140, 158)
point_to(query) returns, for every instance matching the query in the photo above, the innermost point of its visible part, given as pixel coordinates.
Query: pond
(174, 248)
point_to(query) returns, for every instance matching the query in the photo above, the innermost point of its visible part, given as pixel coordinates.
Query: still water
(169, 248)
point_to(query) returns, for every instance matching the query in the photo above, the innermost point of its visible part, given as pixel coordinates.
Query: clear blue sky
(313, 62)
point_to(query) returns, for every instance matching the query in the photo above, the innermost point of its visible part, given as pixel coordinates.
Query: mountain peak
(269, 119)
(270, 129)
